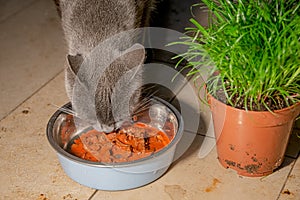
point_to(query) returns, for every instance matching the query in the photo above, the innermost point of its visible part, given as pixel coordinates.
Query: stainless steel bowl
(116, 176)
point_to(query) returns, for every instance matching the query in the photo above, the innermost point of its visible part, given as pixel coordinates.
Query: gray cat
(88, 23)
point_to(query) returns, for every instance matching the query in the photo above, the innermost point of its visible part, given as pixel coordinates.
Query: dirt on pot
(251, 168)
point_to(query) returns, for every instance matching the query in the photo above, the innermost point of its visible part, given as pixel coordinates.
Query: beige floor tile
(33, 52)
(198, 115)
(192, 113)
(11, 7)
(292, 186)
(29, 168)
(195, 114)
(192, 178)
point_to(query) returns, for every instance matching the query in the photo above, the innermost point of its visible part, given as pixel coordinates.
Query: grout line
(36, 91)
(18, 11)
(283, 186)
(206, 135)
(94, 193)
(201, 134)
(181, 88)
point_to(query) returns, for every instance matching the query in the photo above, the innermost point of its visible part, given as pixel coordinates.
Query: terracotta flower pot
(252, 143)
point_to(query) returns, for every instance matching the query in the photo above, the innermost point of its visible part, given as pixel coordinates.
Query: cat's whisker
(143, 105)
(136, 71)
(69, 111)
(144, 101)
(139, 111)
(66, 110)
(149, 91)
(148, 88)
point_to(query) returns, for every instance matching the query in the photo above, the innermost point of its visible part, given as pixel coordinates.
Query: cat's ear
(74, 62)
(134, 56)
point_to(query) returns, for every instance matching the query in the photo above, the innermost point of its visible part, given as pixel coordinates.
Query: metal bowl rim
(67, 155)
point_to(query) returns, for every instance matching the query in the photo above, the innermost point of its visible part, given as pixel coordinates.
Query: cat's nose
(107, 129)
(103, 128)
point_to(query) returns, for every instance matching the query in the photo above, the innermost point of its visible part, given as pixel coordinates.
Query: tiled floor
(32, 81)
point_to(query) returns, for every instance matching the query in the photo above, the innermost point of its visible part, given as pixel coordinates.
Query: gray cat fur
(88, 23)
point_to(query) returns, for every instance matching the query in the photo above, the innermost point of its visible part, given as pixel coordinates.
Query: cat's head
(106, 96)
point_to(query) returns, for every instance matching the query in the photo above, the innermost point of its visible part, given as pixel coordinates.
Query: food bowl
(121, 175)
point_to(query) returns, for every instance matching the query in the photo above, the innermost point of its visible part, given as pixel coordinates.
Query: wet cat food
(131, 142)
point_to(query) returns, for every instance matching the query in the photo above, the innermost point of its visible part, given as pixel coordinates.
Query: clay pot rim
(287, 109)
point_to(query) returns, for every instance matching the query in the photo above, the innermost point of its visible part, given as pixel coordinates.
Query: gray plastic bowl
(117, 176)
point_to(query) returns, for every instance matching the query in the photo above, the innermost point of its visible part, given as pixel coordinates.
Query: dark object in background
(173, 14)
